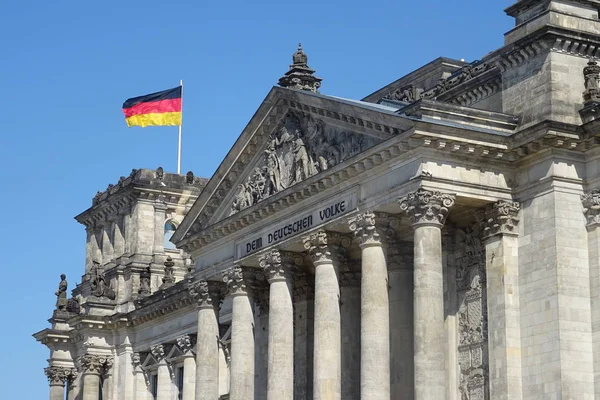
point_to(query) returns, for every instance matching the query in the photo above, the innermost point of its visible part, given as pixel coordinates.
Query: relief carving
(472, 315)
(300, 148)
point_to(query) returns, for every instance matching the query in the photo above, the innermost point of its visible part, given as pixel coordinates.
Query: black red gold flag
(155, 109)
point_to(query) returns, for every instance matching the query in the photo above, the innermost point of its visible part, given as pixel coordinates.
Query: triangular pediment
(293, 137)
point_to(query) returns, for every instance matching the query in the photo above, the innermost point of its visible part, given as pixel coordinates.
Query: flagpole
(181, 123)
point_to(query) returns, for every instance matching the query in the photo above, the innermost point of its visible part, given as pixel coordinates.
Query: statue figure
(145, 282)
(273, 184)
(302, 164)
(100, 288)
(61, 293)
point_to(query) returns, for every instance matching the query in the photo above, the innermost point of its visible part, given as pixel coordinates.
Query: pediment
(294, 137)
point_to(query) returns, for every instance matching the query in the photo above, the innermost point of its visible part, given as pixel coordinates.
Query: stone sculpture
(591, 75)
(145, 276)
(100, 287)
(300, 148)
(61, 293)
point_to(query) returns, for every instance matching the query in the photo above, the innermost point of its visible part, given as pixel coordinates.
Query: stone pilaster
(141, 379)
(187, 344)
(93, 366)
(428, 211)
(208, 297)
(159, 228)
(591, 208)
(239, 282)
(371, 229)
(498, 226)
(117, 234)
(324, 250)
(163, 373)
(278, 267)
(107, 246)
(57, 378)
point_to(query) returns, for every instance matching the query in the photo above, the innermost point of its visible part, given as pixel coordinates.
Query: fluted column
(93, 366)
(239, 283)
(57, 377)
(208, 296)
(186, 344)
(278, 267)
(164, 383)
(325, 251)
(499, 233)
(428, 211)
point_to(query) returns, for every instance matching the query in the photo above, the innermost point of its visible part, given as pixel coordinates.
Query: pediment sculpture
(301, 147)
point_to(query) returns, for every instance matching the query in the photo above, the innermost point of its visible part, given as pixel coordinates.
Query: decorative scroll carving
(158, 352)
(187, 343)
(279, 265)
(239, 280)
(300, 148)
(61, 293)
(207, 293)
(145, 277)
(472, 315)
(168, 280)
(427, 207)
(95, 364)
(464, 74)
(500, 218)
(591, 75)
(406, 94)
(373, 227)
(57, 376)
(591, 207)
(100, 287)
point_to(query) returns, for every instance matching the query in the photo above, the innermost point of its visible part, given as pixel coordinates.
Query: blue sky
(67, 66)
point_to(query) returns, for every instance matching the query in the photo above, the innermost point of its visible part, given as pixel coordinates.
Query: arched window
(170, 228)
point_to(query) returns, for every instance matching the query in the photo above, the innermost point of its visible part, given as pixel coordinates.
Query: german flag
(156, 109)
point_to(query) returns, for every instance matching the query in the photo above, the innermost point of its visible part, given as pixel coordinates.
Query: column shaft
(242, 348)
(207, 354)
(280, 378)
(164, 382)
(429, 340)
(57, 392)
(91, 386)
(327, 334)
(375, 325)
(189, 378)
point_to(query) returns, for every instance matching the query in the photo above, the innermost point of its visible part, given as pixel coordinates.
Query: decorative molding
(239, 280)
(58, 376)
(499, 218)
(463, 75)
(168, 279)
(373, 228)
(301, 147)
(187, 344)
(326, 247)
(591, 208)
(427, 207)
(95, 364)
(300, 76)
(279, 265)
(207, 294)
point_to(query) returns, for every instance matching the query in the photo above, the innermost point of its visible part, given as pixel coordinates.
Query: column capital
(207, 294)
(158, 352)
(239, 280)
(499, 218)
(279, 265)
(426, 207)
(57, 376)
(187, 344)
(325, 247)
(591, 208)
(95, 364)
(372, 228)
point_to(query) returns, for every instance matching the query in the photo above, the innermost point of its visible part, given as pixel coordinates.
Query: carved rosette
(239, 280)
(500, 218)
(57, 376)
(95, 364)
(591, 208)
(206, 293)
(326, 247)
(187, 344)
(373, 228)
(427, 207)
(279, 265)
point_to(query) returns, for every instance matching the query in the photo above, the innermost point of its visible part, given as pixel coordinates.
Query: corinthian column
(428, 211)
(93, 366)
(370, 230)
(57, 377)
(324, 249)
(186, 344)
(278, 267)
(163, 387)
(208, 296)
(242, 333)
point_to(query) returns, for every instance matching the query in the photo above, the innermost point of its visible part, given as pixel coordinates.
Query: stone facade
(437, 240)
